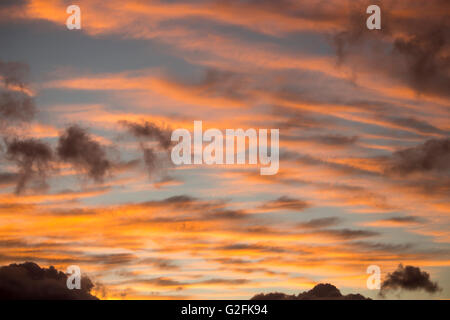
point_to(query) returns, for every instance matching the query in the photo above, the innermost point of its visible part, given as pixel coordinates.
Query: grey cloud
(348, 234)
(433, 155)
(408, 278)
(320, 223)
(16, 107)
(149, 131)
(77, 147)
(145, 132)
(14, 73)
(286, 203)
(32, 157)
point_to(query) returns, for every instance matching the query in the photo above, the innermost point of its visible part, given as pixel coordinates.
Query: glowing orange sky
(225, 231)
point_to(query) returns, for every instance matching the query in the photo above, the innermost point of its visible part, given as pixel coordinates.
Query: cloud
(320, 223)
(28, 281)
(16, 106)
(160, 263)
(433, 155)
(409, 47)
(256, 247)
(15, 103)
(286, 203)
(14, 73)
(347, 234)
(147, 132)
(8, 178)
(32, 157)
(403, 220)
(319, 292)
(425, 57)
(78, 148)
(408, 278)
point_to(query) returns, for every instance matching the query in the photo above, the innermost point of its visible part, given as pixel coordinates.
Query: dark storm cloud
(320, 223)
(77, 147)
(28, 281)
(433, 155)
(286, 203)
(319, 292)
(32, 157)
(408, 278)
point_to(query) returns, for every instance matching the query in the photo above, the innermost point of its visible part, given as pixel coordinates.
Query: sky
(364, 177)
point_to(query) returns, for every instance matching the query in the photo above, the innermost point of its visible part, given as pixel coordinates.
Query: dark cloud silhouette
(433, 155)
(32, 157)
(408, 278)
(319, 292)
(77, 147)
(28, 281)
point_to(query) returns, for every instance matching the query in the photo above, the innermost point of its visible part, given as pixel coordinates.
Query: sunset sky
(363, 115)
